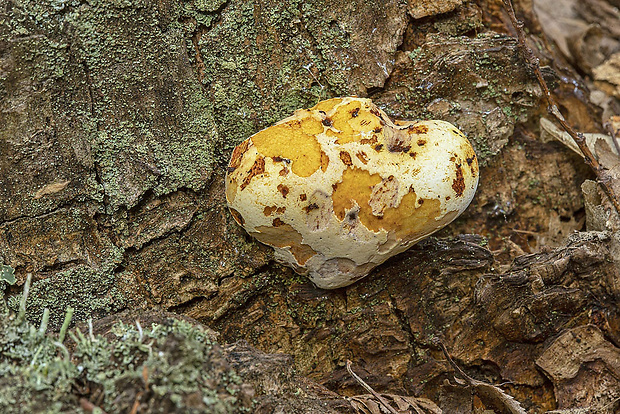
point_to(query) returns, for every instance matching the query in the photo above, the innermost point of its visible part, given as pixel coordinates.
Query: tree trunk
(117, 120)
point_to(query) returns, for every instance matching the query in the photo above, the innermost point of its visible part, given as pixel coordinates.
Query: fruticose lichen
(169, 367)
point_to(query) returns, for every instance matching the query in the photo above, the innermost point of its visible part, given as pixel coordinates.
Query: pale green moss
(172, 367)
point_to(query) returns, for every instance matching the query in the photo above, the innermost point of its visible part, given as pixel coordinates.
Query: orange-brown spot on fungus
(361, 155)
(277, 222)
(235, 159)
(372, 140)
(324, 161)
(285, 236)
(421, 142)
(458, 184)
(293, 140)
(452, 158)
(473, 166)
(283, 190)
(310, 207)
(345, 157)
(303, 197)
(269, 210)
(379, 147)
(281, 210)
(257, 168)
(405, 221)
(413, 154)
(418, 129)
(398, 145)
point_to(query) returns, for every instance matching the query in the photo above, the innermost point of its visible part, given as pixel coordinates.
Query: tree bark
(116, 123)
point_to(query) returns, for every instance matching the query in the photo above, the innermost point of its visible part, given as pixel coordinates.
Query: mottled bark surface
(116, 123)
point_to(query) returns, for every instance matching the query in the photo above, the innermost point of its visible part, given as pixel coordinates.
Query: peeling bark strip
(418, 129)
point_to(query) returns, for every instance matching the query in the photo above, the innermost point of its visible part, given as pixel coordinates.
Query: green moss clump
(169, 367)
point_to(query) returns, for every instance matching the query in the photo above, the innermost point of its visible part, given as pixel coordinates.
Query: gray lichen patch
(100, 95)
(261, 62)
(92, 293)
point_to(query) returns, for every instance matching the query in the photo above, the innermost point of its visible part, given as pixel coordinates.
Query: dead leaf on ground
(584, 368)
(368, 404)
(607, 75)
(605, 148)
(51, 189)
(489, 395)
(584, 42)
(549, 131)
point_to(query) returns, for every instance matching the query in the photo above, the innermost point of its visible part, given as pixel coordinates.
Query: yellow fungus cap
(339, 188)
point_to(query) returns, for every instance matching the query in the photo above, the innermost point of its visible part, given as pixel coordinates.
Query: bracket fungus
(339, 188)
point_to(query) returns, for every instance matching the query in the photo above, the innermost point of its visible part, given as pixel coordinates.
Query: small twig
(368, 388)
(89, 406)
(136, 403)
(462, 374)
(532, 61)
(531, 233)
(614, 137)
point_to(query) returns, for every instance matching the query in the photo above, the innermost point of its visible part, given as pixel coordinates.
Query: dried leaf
(548, 132)
(580, 38)
(51, 189)
(584, 368)
(489, 394)
(605, 149)
(607, 75)
(600, 213)
(559, 230)
(368, 404)
(497, 397)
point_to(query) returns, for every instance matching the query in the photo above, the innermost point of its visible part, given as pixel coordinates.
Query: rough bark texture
(117, 120)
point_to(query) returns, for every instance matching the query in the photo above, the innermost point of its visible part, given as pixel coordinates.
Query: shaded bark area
(116, 122)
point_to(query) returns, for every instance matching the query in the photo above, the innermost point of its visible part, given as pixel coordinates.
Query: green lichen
(171, 367)
(260, 64)
(7, 274)
(89, 291)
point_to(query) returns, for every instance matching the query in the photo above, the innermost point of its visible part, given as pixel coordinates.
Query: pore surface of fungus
(339, 188)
